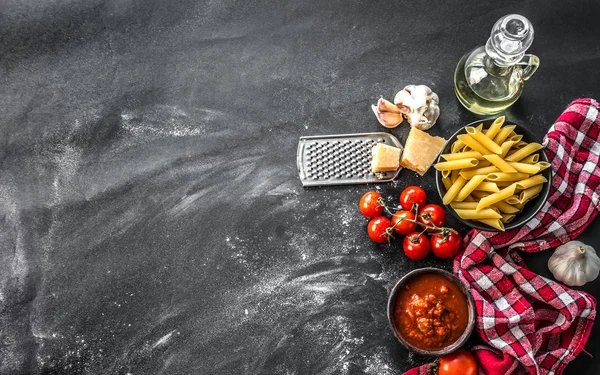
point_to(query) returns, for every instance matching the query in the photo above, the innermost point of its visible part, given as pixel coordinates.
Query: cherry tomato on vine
(380, 229)
(432, 215)
(416, 246)
(401, 223)
(412, 195)
(369, 204)
(461, 362)
(446, 244)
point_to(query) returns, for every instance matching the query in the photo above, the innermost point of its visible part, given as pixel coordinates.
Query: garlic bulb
(574, 263)
(419, 104)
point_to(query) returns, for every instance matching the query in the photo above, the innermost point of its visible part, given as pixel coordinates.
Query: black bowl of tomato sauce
(431, 311)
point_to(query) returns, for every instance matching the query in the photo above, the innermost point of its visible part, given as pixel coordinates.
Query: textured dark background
(151, 217)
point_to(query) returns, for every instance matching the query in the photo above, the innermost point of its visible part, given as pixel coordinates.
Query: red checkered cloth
(535, 325)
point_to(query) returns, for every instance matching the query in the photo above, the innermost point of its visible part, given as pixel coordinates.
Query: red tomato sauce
(431, 311)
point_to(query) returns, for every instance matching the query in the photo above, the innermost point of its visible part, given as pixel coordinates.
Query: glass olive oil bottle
(490, 78)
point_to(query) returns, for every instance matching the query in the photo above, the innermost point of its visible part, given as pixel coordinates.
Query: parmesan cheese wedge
(385, 158)
(421, 150)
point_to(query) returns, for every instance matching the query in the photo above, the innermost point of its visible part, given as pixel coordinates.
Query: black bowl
(470, 302)
(531, 208)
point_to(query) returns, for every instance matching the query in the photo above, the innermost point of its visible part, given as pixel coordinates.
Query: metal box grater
(343, 159)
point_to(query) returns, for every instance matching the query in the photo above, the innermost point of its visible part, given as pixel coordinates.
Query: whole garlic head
(419, 104)
(574, 263)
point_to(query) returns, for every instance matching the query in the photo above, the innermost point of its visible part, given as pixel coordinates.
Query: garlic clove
(387, 113)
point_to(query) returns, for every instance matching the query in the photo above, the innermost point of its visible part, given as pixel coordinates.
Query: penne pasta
(446, 182)
(515, 138)
(454, 175)
(480, 194)
(531, 181)
(531, 159)
(453, 190)
(474, 144)
(446, 173)
(473, 172)
(512, 200)
(488, 186)
(496, 197)
(506, 208)
(456, 164)
(462, 155)
(530, 169)
(469, 187)
(464, 205)
(524, 152)
(503, 184)
(506, 148)
(479, 127)
(494, 223)
(483, 140)
(530, 193)
(469, 199)
(543, 165)
(457, 146)
(486, 213)
(520, 144)
(503, 134)
(500, 163)
(507, 218)
(502, 176)
(495, 127)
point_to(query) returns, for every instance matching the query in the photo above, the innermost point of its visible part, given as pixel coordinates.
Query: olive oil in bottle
(490, 78)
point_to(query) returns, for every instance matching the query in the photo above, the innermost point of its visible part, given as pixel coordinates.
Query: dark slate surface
(151, 217)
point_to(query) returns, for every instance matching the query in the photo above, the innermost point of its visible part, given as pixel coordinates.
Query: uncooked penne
(462, 155)
(507, 218)
(515, 138)
(446, 173)
(495, 127)
(530, 169)
(475, 145)
(520, 144)
(456, 164)
(454, 175)
(488, 186)
(464, 205)
(469, 199)
(531, 159)
(480, 194)
(505, 146)
(506, 208)
(500, 163)
(503, 134)
(496, 197)
(530, 193)
(531, 181)
(468, 174)
(512, 200)
(524, 152)
(469, 187)
(479, 127)
(543, 165)
(494, 223)
(457, 146)
(502, 176)
(483, 140)
(453, 190)
(446, 182)
(486, 213)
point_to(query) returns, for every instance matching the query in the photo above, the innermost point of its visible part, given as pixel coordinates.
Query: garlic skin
(574, 263)
(419, 104)
(387, 113)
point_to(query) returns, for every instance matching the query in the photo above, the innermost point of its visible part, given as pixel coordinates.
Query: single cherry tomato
(380, 229)
(416, 246)
(460, 362)
(369, 204)
(432, 215)
(412, 195)
(401, 223)
(446, 244)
